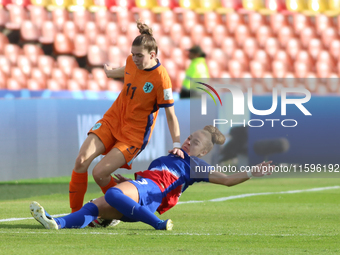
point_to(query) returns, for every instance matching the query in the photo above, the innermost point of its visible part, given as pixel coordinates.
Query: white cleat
(38, 213)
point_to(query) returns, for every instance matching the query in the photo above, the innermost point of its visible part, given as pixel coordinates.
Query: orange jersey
(132, 116)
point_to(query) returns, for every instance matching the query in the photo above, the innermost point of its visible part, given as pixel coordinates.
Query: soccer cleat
(39, 213)
(165, 225)
(102, 223)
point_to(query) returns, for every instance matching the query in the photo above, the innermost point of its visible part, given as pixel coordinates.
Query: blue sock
(79, 219)
(130, 208)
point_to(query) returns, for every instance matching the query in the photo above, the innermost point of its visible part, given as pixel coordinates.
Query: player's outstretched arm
(114, 73)
(259, 170)
(174, 131)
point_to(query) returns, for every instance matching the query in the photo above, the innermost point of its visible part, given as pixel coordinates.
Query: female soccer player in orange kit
(126, 127)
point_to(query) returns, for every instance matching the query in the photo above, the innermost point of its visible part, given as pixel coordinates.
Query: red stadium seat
(81, 18)
(62, 44)
(211, 20)
(38, 76)
(124, 44)
(132, 32)
(80, 45)
(73, 85)
(241, 57)
(67, 64)
(241, 34)
(218, 34)
(34, 85)
(228, 46)
(334, 49)
(314, 48)
(80, 75)
(59, 17)
(100, 77)
(29, 32)
(124, 17)
(3, 41)
(172, 69)
(272, 46)
(38, 15)
(112, 32)
(284, 34)
(293, 47)
(48, 32)
(219, 56)
(185, 43)
(235, 69)
(92, 85)
(328, 35)
(207, 44)
(102, 18)
(301, 69)
(250, 46)
(17, 14)
(262, 34)
(190, 18)
(46, 64)
(255, 20)
(215, 68)
(300, 21)
(5, 65)
(282, 56)
(306, 35)
(54, 85)
(233, 20)
(115, 86)
(102, 42)
(147, 16)
(13, 84)
(178, 57)
(4, 17)
(12, 51)
(176, 33)
(91, 31)
(321, 23)
(197, 32)
(18, 75)
(165, 45)
(3, 80)
(25, 65)
(279, 69)
(262, 56)
(70, 29)
(231, 5)
(32, 51)
(59, 76)
(114, 56)
(323, 70)
(168, 20)
(5, 3)
(277, 20)
(256, 69)
(170, 4)
(325, 57)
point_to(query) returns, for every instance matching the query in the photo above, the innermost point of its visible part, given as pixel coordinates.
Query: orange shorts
(102, 130)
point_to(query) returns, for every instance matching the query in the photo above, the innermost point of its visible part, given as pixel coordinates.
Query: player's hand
(264, 168)
(107, 70)
(177, 151)
(119, 178)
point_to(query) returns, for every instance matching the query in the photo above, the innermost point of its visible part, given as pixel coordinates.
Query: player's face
(194, 145)
(142, 58)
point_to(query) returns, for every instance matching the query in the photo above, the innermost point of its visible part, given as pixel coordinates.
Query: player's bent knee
(81, 165)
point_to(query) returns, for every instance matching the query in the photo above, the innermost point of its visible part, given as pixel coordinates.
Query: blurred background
(52, 54)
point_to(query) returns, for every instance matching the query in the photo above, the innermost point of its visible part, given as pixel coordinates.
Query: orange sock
(111, 184)
(77, 190)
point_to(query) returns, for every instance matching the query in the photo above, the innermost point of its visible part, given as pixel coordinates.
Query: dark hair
(145, 39)
(216, 136)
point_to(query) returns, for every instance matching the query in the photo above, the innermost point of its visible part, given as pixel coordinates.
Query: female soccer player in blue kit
(156, 189)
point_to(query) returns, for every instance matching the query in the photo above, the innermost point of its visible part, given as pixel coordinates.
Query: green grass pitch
(273, 223)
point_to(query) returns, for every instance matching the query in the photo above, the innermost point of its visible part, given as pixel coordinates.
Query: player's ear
(153, 54)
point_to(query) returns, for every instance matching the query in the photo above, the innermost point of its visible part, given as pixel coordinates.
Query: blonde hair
(145, 39)
(216, 137)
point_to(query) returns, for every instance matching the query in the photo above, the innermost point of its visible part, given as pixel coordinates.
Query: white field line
(219, 199)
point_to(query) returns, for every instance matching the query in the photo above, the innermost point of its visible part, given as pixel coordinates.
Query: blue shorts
(150, 195)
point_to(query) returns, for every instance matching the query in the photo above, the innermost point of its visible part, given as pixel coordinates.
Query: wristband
(176, 145)
(249, 174)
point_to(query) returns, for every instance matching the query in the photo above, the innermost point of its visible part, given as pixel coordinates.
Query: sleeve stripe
(165, 105)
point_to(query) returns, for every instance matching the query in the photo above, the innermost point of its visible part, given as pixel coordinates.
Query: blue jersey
(174, 175)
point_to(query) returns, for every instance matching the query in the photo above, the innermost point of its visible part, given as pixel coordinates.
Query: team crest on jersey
(96, 126)
(148, 87)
